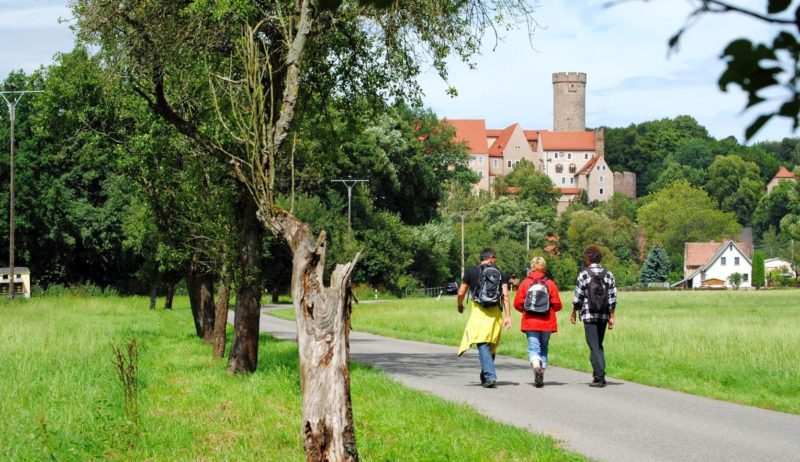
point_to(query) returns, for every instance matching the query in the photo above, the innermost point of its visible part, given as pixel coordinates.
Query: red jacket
(542, 323)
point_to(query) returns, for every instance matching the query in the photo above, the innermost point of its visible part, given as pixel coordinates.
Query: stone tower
(569, 102)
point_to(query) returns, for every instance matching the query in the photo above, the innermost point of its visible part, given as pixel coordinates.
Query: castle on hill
(570, 155)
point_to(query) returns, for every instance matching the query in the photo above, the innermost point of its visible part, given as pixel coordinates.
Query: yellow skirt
(484, 326)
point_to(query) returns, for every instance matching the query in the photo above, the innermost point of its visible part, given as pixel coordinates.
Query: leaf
(776, 6)
(757, 125)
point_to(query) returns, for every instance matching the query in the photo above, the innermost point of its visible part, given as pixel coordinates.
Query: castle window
(572, 168)
(480, 160)
(480, 174)
(585, 156)
(494, 163)
(563, 180)
(604, 167)
(569, 155)
(559, 168)
(572, 180)
(509, 164)
(601, 191)
(601, 178)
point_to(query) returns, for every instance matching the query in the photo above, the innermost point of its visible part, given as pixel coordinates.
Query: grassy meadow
(62, 399)
(738, 346)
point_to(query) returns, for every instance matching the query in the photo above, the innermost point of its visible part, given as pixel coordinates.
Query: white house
(772, 264)
(22, 281)
(709, 264)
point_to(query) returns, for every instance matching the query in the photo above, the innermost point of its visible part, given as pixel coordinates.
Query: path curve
(623, 422)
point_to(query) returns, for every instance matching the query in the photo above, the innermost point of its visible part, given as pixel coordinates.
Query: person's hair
(487, 253)
(538, 264)
(593, 254)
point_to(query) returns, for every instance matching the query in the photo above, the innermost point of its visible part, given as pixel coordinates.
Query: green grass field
(62, 401)
(739, 346)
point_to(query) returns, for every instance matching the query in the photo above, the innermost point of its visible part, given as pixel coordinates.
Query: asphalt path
(621, 422)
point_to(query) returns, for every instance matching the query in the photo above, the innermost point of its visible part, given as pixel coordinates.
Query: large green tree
(163, 45)
(736, 185)
(680, 213)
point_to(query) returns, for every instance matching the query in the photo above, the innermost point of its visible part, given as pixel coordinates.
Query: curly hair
(593, 254)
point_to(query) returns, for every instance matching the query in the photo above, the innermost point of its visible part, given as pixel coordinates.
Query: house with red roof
(782, 175)
(570, 155)
(709, 264)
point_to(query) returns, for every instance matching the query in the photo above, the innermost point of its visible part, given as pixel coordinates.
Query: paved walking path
(622, 422)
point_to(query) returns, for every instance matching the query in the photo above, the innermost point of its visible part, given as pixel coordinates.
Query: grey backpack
(537, 299)
(489, 291)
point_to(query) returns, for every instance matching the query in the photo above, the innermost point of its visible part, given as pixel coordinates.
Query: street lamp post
(349, 183)
(528, 236)
(463, 213)
(12, 98)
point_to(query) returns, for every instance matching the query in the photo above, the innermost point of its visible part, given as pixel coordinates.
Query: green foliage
(533, 185)
(736, 185)
(757, 279)
(680, 213)
(655, 267)
(735, 280)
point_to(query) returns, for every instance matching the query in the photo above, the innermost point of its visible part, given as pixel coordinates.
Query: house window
(744, 277)
(516, 163)
(572, 168)
(598, 167)
(509, 164)
(585, 156)
(572, 180)
(559, 168)
(495, 163)
(604, 167)
(723, 261)
(601, 191)
(480, 160)
(569, 155)
(601, 178)
(736, 261)
(480, 174)
(563, 180)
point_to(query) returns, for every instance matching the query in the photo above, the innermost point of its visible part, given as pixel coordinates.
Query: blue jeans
(487, 362)
(537, 345)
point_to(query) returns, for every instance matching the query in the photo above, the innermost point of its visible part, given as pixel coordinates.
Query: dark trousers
(594, 338)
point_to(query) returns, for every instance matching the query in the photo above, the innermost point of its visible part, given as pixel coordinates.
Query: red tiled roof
(699, 253)
(568, 141)
(589, 165)
(496, 150)
(511, 190)
(473, 132)
(532, 135)
(568, 191)
(783, 173)
(493, 132)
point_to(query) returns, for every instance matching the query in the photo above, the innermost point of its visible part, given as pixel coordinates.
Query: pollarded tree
(258, 78)
(656, 267)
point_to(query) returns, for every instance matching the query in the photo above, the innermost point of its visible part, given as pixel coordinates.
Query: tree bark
(170, 294)
(153, 295)
(207, 307)
(193, 284)
(244, 347)
(221, 320)
(323, 337)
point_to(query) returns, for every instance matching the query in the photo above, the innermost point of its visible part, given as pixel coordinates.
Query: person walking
(490, 308)
(538, 300)
(596, 299)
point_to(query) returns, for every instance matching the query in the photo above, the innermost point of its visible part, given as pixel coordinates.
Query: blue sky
(622, 49)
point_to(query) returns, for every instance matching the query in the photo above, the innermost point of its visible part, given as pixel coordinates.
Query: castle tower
(569, 102)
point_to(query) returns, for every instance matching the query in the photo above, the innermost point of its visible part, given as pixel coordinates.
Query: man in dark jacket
(595, 314)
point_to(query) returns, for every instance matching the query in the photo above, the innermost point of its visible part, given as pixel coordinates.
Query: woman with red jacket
(538, 327)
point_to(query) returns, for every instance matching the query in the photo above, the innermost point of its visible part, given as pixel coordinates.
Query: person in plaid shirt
(594, 322)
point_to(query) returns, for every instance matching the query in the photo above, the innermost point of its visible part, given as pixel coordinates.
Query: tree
(735, 280)
(680, 213)
(758, 270)
(656, 267)
(736, 185)
(256, 92)
(758, 68)
(533, 185)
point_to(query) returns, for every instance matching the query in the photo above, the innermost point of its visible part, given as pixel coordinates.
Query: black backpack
(597, 293)
(489, 291)
(537, 299)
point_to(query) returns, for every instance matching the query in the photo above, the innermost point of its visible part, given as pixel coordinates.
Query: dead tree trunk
(221, 320)
(323, 338)
(244, 347)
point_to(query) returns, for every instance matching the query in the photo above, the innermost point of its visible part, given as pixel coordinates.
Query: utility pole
(349, 183)
(463, 214)
(528, 236)
(12, 98)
